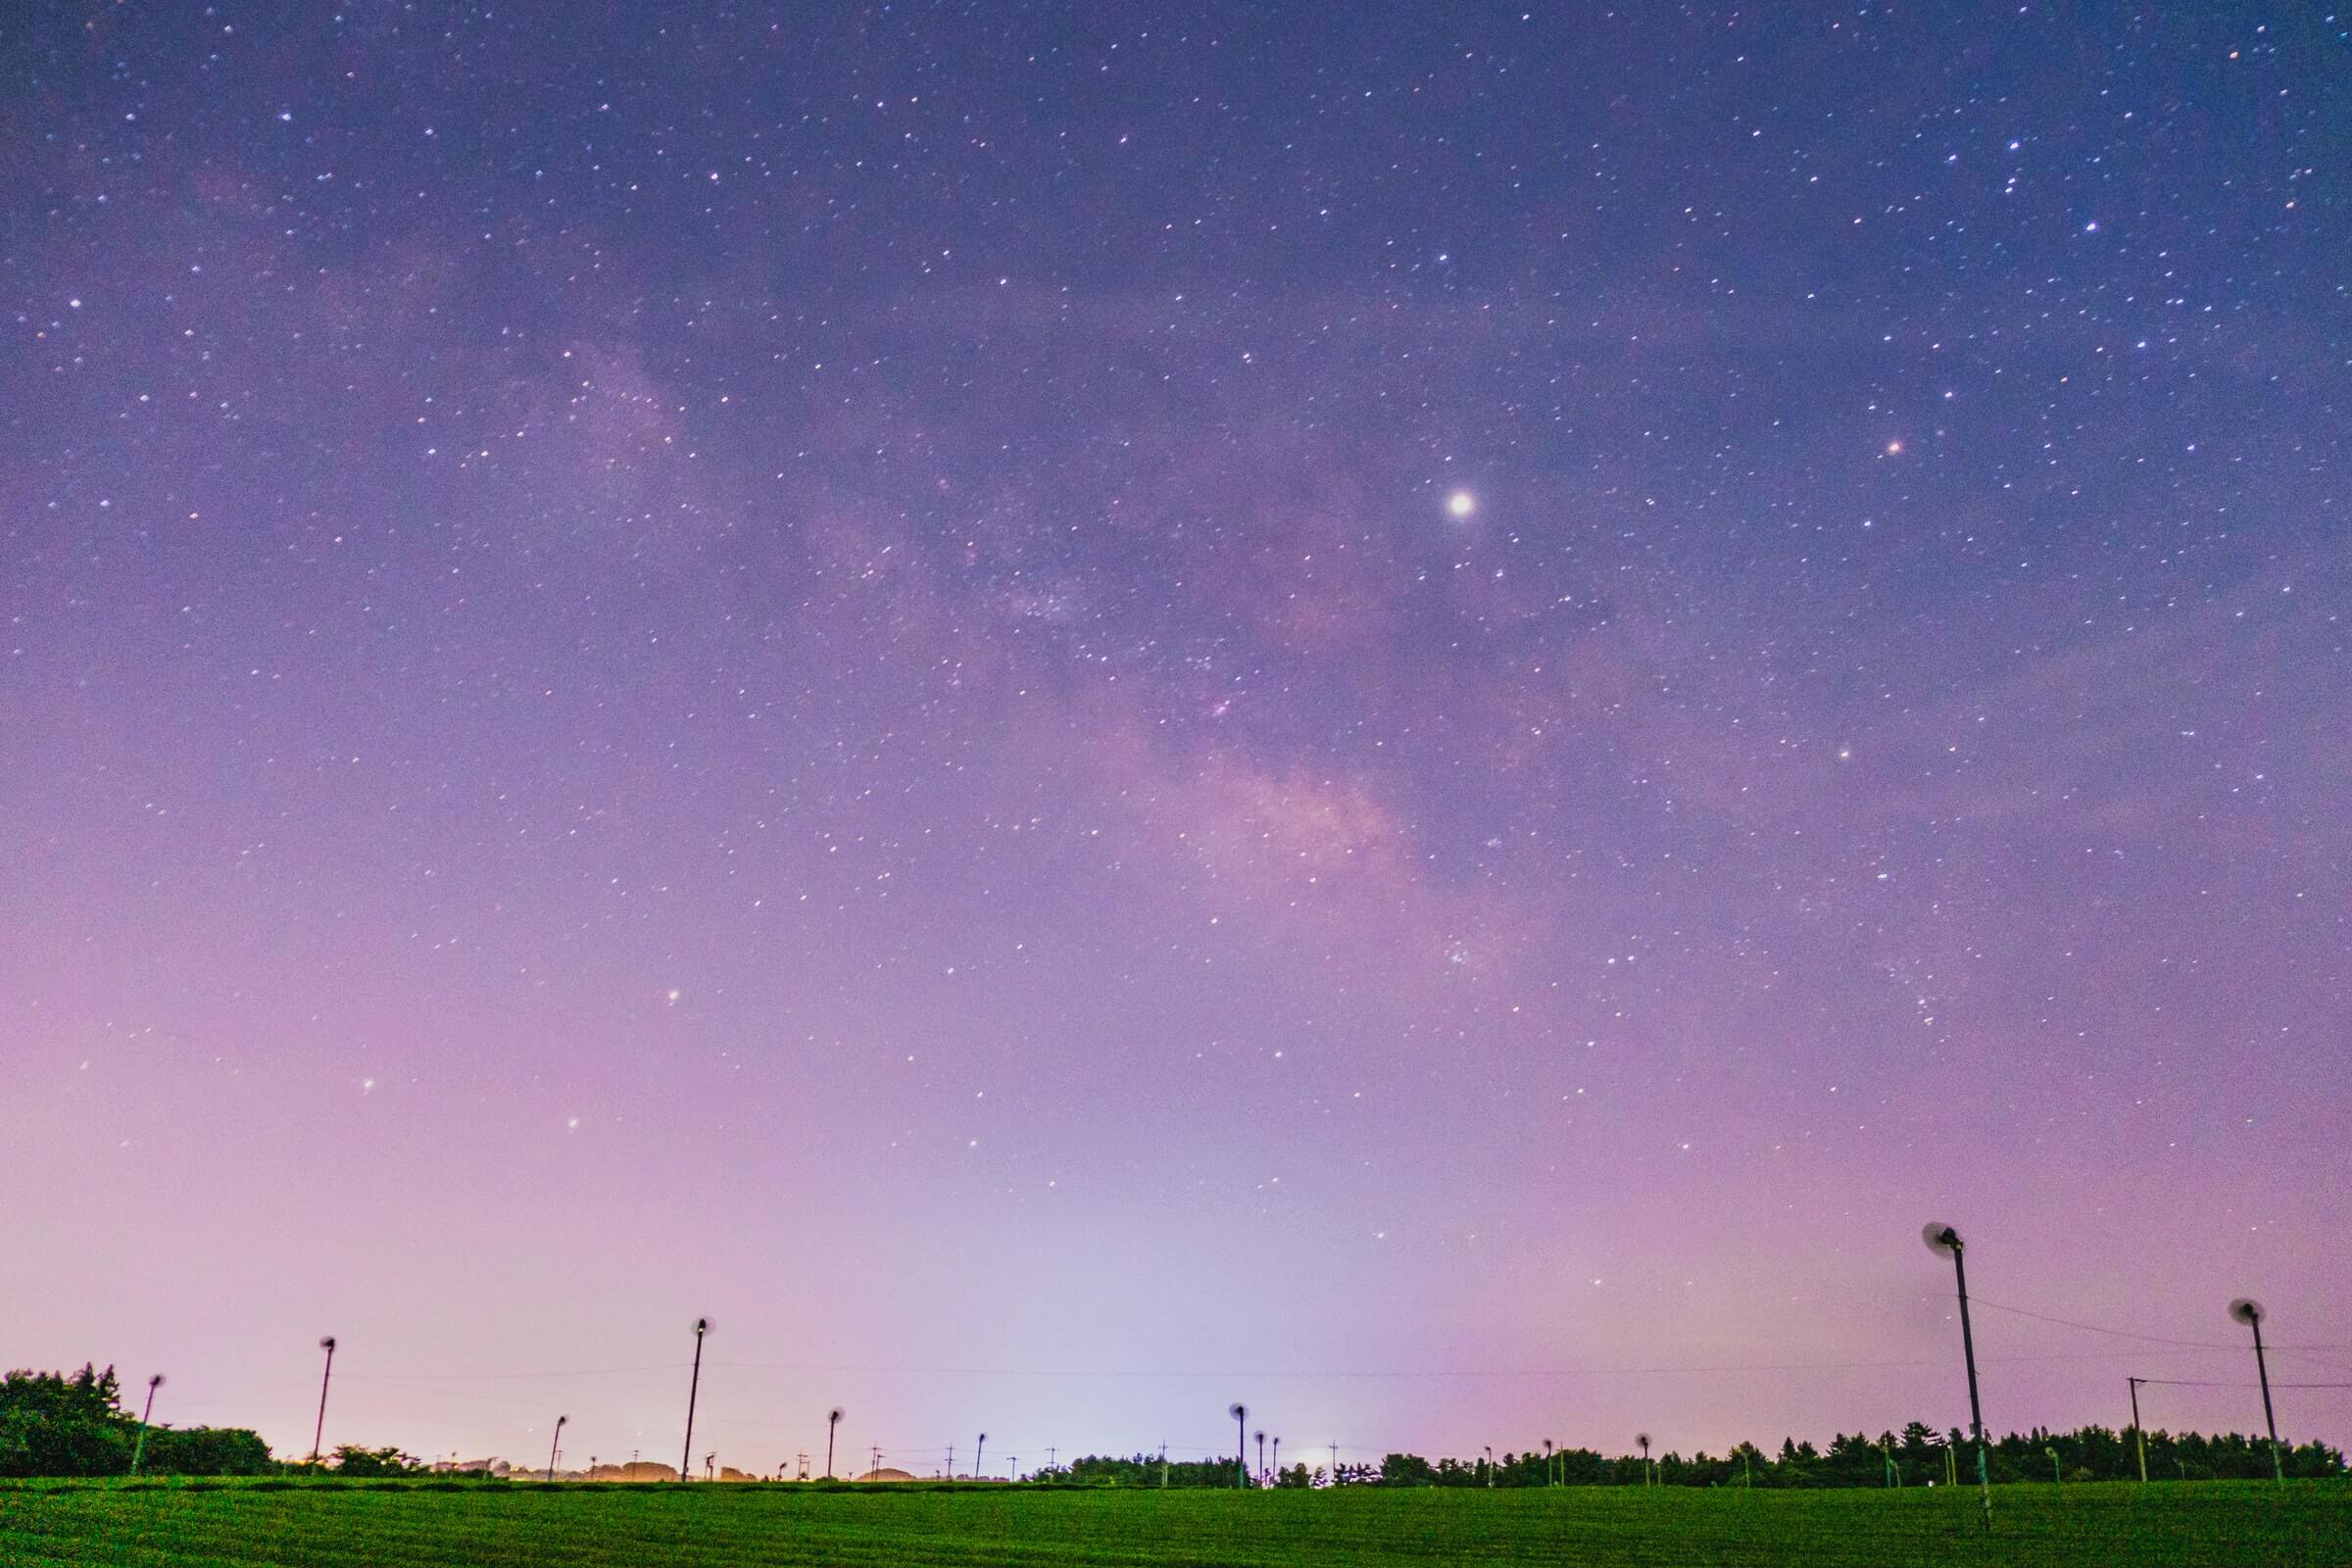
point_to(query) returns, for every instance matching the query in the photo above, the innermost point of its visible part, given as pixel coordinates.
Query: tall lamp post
(978, 1450)
(2249, 1312)
(1941, 1238)
(2138, 1436)
(139, 1451)
(555, 1448)
(1240, 1444)
(318, 1434)
(832, 1421)
(694, 1388)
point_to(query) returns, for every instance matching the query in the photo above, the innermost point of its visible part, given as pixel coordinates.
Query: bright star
(1461, 503)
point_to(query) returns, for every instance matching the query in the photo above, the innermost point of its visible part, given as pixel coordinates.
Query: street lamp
(2249, 1312)
(329, 1345)
(1240, 1444)
(832, 1420)
(702, 1326)
(145, 1417)
(1944, 1241)
(553, 1448)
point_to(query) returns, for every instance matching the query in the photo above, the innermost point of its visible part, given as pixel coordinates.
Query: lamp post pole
(318, 1433)
(694, 1388)
(1944, 1238)
(556, 1446)
(1967, 1351)
(2251, 1314)
(140, 1452)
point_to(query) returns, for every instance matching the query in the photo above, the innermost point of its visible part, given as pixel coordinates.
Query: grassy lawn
(184, 1526)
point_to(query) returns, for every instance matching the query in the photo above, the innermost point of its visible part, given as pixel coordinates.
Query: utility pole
(1335, 1463)
(318, 1434)
(2138, 1437)
(145, 1417)
(950, 1462)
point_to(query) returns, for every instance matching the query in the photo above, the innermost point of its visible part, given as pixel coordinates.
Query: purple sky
(1079, 713)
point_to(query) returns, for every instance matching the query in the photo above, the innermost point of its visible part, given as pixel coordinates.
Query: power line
(2184, 1383)
(2121, 1334)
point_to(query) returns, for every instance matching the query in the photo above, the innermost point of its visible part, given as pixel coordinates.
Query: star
(1461, 503)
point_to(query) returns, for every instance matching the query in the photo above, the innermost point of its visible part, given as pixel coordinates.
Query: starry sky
(1424, 714)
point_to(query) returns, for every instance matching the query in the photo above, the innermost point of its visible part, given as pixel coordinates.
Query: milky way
(1425, 717)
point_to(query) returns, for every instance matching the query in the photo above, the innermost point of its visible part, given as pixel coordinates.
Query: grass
(213, 1525)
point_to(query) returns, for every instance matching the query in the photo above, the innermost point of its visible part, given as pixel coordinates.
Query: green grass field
(188, 1526)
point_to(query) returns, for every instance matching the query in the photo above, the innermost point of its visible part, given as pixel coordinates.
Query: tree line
(60, 1424)
(1916, 1455)
(73, 1424)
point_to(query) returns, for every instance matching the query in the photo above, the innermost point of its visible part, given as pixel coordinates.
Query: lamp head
(2247, 1310)
(326, 1341)
(1941, 1238)
(1238, 1411)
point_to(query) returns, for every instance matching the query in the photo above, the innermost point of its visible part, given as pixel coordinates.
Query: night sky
(1423, 714)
